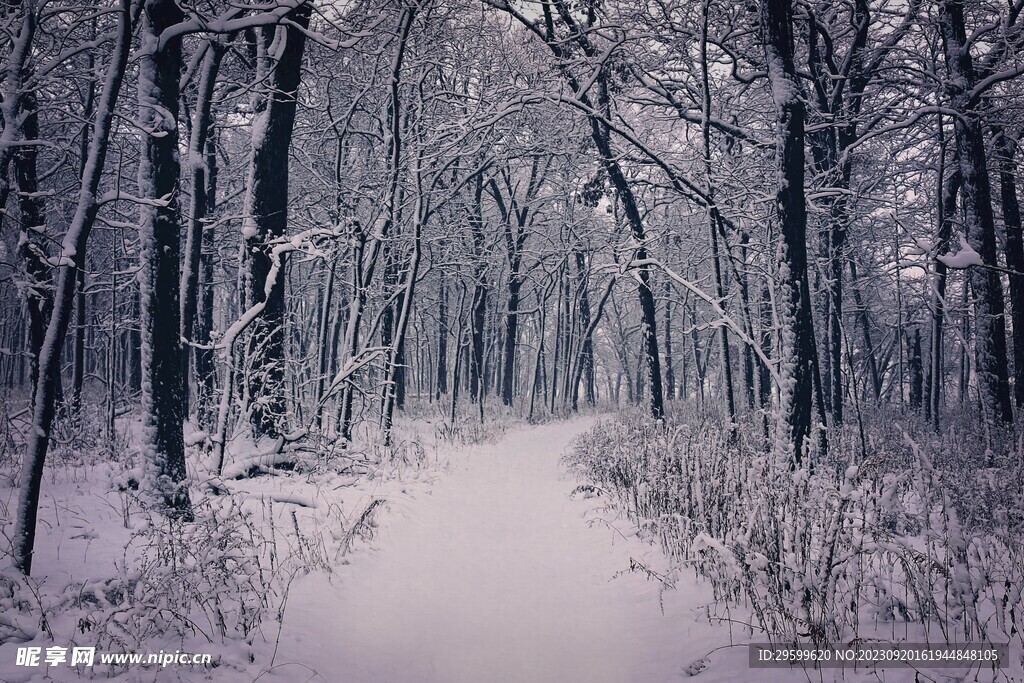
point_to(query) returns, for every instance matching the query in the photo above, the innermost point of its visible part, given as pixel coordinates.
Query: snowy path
(495, 576)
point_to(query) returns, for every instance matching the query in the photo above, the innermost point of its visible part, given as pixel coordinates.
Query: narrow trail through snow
(495, 575)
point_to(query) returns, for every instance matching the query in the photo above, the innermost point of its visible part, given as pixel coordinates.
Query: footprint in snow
(696, 666)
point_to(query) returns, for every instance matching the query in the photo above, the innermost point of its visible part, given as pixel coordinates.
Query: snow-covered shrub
(205, 581)
(205, 577)
(882, 540)
(471, 425)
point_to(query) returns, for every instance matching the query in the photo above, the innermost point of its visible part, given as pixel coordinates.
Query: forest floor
(487, 564)
(500, 574)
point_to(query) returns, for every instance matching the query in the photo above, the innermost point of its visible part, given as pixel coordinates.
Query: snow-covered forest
(509, 340)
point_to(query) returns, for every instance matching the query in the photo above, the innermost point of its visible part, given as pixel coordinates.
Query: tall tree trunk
(79, 369)
(460, 342)
(990, 324)
(199, 206)
(1006, 150)
(648, 312)
(323, 341)
(478, 308)
(965, 336)
(511, 336)
(539, 361)
(402, 324)
(203, 329)
(799, 349)
(74, 248)
(266, 216)
(670, 371)
(401, 365)
(20, 116)
(600, 133)
(159, 234)
(559, 322)
(442, 337)
(393, 393)
(865, 328)
(133, 342)
(698, 361)
(16, 70)
(915, 364)
(714, 219)
(478, 320)
(32, 233)
(366, 252)
(949, 187)
(585, 362)
(764, 378)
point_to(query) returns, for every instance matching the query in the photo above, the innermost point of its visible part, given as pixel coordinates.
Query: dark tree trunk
(764, 378)
(915, 365)
(648, 313)
(558, 350)
(949, 187)
(32, 235)
(748, 352)
(78, 370)
(44, 398)
(670, 371)
(723, 336)
(133, 350)
(393, 395)
(990, 323)
(799, 348)
(1006, 149)
(442, 338)
(516, 220)
(478, 319)
(586, 357)
(324, 347)
(203, 329)
(460, 342)
(199, 206)
(715, 222)
(840, 93)
(400, 374)
(159, 233)
(585, 364)
(511, 337)
(600, 133)
(404, 307)
(865, 328)
(478, 308)
(698, 361)
(387, 317)
(267, 219)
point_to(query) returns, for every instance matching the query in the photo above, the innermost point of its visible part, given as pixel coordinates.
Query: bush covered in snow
(906, 535)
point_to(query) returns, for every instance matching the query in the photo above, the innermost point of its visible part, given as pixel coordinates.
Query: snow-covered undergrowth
(473, 423)
(172, 585)
(111, 573)
(916, 536)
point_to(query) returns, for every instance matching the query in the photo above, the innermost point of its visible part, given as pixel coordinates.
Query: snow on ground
(484, 569)
(497, 575)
